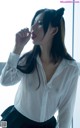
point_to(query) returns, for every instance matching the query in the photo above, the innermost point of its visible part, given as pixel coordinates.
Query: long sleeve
(10, 74)
(66, 107)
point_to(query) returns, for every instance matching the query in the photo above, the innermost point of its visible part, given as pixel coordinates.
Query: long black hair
(58, 49)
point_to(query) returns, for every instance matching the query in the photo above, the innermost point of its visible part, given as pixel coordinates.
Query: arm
(66, 106)
(10, 74)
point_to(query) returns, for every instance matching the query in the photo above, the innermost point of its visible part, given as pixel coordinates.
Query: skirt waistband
(16, 120)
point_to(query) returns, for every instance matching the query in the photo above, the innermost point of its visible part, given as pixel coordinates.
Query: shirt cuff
(13, 60)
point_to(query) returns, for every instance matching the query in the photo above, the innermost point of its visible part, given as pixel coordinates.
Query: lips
(33, 35)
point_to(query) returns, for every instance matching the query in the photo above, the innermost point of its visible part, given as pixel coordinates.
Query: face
(37, 29)
(38, 35)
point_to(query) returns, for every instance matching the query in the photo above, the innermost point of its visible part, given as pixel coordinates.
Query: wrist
(17, 50)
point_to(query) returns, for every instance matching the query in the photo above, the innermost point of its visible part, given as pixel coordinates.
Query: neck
(45, 55)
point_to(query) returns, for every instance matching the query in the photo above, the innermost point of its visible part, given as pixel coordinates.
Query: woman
(48, 75)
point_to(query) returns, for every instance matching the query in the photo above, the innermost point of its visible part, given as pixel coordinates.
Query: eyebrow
(38, 20)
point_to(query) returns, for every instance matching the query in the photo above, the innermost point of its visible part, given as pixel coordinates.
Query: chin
(36, 42)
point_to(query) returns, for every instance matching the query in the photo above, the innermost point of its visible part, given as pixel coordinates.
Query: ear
(54, 30)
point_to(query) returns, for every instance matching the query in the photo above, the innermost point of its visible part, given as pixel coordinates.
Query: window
(76, 117)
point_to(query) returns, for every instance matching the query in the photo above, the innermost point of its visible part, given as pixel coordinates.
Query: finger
(25, 32)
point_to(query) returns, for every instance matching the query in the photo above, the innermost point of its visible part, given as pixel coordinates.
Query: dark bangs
(36, 14)
(49, 18)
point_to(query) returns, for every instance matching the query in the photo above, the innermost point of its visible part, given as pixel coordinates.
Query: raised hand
(22, 37)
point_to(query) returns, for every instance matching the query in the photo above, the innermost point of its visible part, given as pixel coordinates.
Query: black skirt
(16, 120)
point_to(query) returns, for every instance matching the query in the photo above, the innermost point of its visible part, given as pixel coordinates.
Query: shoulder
(72, 65)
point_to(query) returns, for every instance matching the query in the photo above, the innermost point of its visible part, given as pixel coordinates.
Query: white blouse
(41, 104)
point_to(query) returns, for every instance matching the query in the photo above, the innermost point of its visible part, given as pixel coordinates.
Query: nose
(33, 27)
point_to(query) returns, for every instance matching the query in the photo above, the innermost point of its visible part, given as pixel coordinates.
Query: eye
(40, 22)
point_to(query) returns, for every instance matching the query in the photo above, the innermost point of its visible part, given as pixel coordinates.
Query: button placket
(44, 103)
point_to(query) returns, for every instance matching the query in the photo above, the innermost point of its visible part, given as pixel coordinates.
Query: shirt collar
(63, 64)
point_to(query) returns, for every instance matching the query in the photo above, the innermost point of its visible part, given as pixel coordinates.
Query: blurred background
(16, 15)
